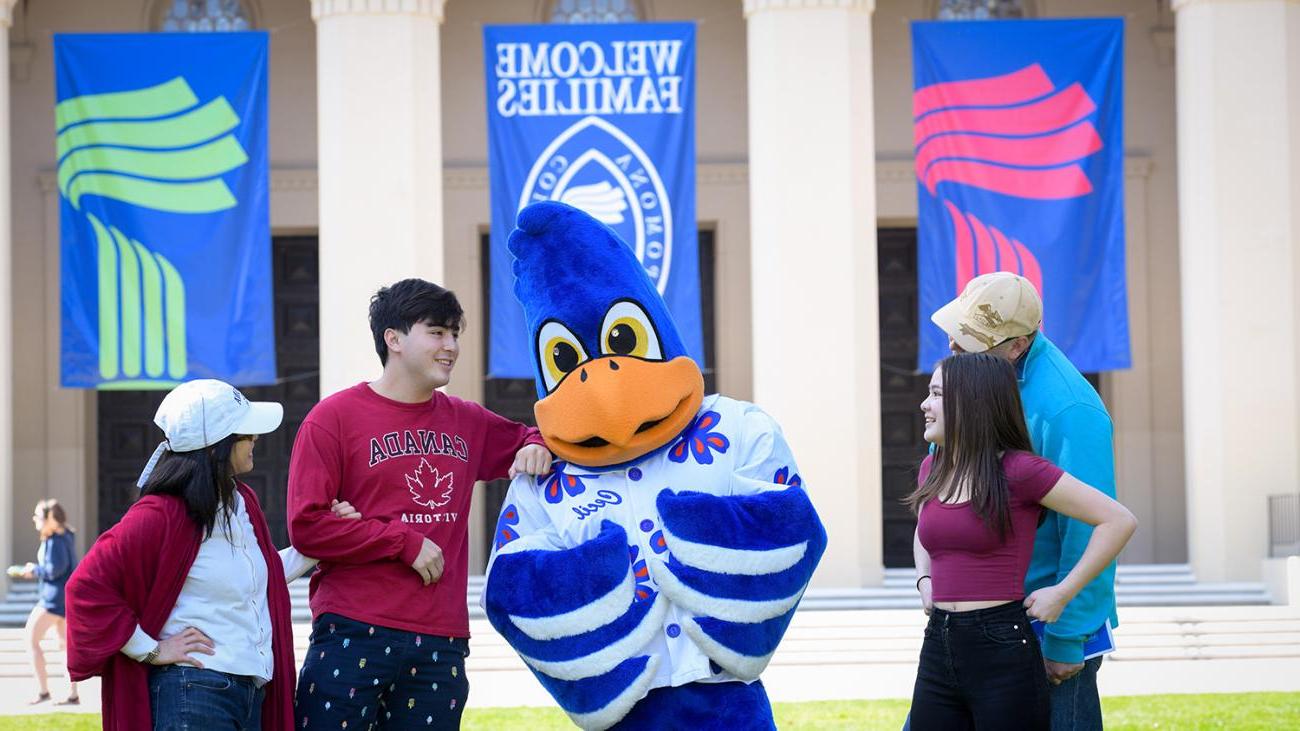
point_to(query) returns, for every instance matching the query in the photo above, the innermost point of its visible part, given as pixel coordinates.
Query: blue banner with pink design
(1018, 127)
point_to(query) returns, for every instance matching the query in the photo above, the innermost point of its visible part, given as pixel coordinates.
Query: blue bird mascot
(647, 580)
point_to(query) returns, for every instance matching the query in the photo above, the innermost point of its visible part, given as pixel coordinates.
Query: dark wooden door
(513, 398)
(127, 435)
(901, 390)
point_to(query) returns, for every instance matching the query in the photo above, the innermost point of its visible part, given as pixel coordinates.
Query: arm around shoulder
(510, 448)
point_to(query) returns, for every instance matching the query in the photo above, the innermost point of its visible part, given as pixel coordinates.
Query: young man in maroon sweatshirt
(390, 627)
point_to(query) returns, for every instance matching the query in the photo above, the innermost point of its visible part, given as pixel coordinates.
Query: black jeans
(981, 670)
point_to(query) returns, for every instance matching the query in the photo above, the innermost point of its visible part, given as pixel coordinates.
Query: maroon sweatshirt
(409, 469)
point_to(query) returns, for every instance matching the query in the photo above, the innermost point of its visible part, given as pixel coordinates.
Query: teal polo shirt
(1069, 426)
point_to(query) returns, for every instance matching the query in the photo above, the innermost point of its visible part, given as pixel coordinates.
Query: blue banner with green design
(164, 211)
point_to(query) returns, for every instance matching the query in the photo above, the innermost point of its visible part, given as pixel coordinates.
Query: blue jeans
(357, 674)
(981, 670)
(1076, 705)
(183, 698)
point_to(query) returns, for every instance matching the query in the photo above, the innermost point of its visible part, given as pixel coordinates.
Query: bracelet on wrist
(923, 578)
(153, 654)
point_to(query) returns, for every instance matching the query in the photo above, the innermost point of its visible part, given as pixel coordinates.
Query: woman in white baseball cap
(180, 606)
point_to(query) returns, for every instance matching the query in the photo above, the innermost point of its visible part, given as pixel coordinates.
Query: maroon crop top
(967, 561)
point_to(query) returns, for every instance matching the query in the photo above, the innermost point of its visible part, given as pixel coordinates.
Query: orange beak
(614, 409)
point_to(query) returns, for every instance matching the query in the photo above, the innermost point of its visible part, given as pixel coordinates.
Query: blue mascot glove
(571, 614)
(741, 563)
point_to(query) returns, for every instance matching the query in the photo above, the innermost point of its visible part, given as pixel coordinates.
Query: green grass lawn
(1245, 711)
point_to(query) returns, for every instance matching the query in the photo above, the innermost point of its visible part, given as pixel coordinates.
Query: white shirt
(224, 597)
(627, 496)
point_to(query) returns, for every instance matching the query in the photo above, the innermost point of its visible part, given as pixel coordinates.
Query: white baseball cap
(200, 413)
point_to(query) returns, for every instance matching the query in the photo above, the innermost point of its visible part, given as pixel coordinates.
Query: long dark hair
(982, 418)
(203, 478)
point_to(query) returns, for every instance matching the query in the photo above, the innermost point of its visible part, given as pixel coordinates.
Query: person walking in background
(182, 606)
(55, 559)
(978, 501)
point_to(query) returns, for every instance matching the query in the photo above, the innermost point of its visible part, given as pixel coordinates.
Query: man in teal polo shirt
(1001, 313)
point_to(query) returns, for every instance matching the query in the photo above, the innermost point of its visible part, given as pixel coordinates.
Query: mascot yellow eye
(626, 337)
(627, 330)
(559, 352)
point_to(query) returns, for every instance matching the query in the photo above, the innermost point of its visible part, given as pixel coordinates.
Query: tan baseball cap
(992, 308)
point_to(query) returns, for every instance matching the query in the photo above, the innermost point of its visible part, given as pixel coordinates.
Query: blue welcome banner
(1018, 127)
(601, 117)
(164, 215)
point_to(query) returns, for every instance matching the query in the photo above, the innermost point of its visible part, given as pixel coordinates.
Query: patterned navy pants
(362, 677)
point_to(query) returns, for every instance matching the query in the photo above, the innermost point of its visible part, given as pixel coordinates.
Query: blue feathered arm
(740, 563)
(571, 614)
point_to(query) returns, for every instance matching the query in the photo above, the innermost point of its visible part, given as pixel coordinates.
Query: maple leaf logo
(429, 487)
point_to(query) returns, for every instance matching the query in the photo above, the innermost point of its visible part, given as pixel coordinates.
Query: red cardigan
(133, 575)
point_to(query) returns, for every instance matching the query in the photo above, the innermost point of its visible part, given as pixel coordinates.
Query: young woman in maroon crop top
(978, 500)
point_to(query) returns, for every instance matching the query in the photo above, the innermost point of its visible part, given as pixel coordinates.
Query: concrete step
(1135, 569)
(1126, 574)
(1136, 585)
(859, 639)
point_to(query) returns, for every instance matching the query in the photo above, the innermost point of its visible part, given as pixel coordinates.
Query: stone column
(6, 289)
(380, 163)
(1239, 218)
(813, 247)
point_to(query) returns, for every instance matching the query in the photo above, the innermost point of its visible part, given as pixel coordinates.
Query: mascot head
(613, 378)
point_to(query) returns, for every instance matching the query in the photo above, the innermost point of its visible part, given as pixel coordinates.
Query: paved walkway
(836, 655)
